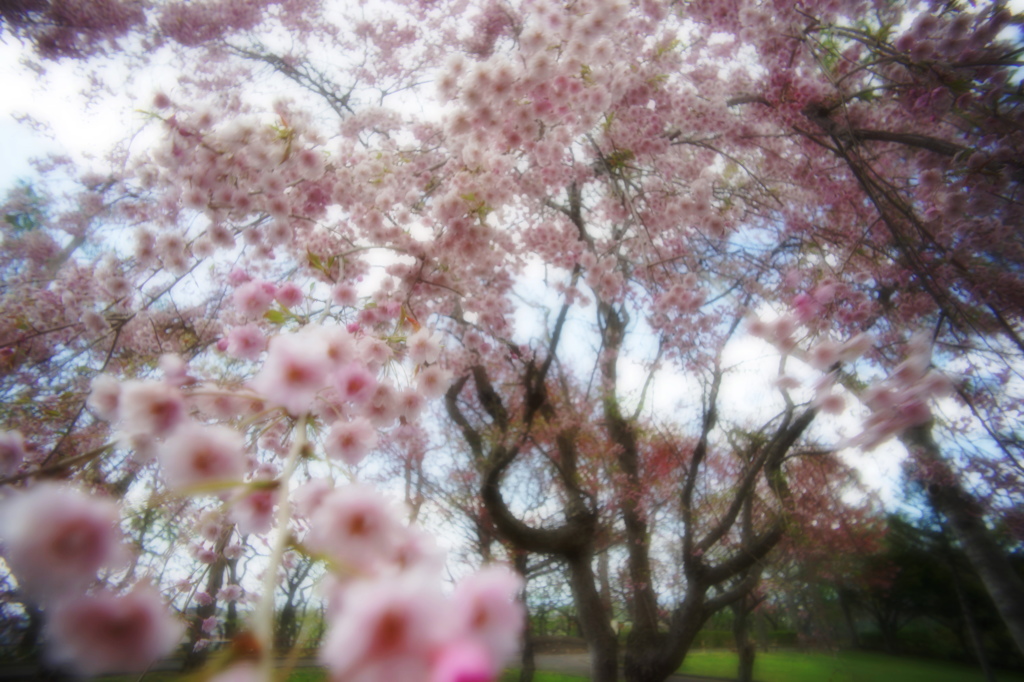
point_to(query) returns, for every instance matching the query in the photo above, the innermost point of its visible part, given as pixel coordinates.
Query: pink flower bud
(486, 610)
(463, 661)
(150, 407)
(351, 441)
(104, 397)
(196, 454)
(105, 632)
(354, 526)
(424, 347)
(245, 342)
(253, 299)
(12, 452)
(56, 538)
(289, 295)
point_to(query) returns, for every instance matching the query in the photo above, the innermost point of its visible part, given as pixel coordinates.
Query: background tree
(453, 192)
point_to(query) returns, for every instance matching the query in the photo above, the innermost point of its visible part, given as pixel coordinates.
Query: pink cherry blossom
(424, 347)
(197, 455)
(411, 403)
(289, 295)
(56, 538)
(254, 511)
(831, 403)
(150, 407)
(375, 351)
(246, 342)
(105, 632)
(105, 396)
(175, 369)
(296, 369)
(230, 593)
(308, 496)
(463, 661)
(238, 277)
(433, 381)
(95, 323)
(205, 555)
(351, 441)
(211, 526)
(382, 409)
(339, 344)
(356, 527)
(386, 629)
(355, 383)
(417, 550)
(254, 298)
(344, 294)
(12, 452)
(823, 355)
(486, 609)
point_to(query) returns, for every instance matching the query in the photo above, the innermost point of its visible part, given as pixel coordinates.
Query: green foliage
(713, 639)
(842, 667)
(619, 159)
(723, 639)
(275, 316)
(25, 207)
(318, 263)
(921, 640)
(909, 590)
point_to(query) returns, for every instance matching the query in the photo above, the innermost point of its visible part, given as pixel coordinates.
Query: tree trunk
(966, 520)
(602, 644)
(745, 649)
(847, 609)
(214, 581)
(527, 663)
(605, 581)
(972, 625)
(890, 629)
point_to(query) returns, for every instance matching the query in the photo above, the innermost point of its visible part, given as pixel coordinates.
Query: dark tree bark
(214, 581)
(971, 624)
(845, 598)
(965, 519)
(652, 653)
(743, 609)
(746, 651)
(496, 434)
(528, 664)
(288, 624)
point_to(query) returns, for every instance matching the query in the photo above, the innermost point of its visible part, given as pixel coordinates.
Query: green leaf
(275, 316)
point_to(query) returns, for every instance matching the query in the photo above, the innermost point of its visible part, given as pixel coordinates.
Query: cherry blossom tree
(542, 216)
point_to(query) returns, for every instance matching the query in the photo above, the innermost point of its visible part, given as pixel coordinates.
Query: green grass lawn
(317, 675)
(843, 667)
(513, 676)
(769, 667)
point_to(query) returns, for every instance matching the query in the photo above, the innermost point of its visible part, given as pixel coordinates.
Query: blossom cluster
(902, 400)
(57, 539)
(388, 616)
